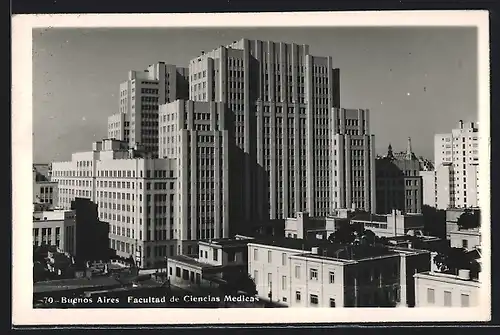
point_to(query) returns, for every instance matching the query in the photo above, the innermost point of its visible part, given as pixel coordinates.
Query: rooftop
(446, 277)
(230, 241)
(352, 252)
(290, 243)
(189, 260)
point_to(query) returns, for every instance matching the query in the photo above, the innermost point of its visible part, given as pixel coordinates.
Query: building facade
(434, 289)
(390, 225)
(55, 228)
(199, 136)
(137, 196)
(293, 273)
(140, 96)
(351, 178)
(281, 97)
(456, 157)
(398, 182)
(468, 239)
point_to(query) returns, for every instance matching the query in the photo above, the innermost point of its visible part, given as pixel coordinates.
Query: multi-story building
(435, 289)
(137, 119)
(209, 164)
(352, 173)
(136, 195)
(467, 239)
(456, 157)
(304, 226)
(389, 225)
(44, 191)
(398, 182)
(302, 273)
(44, 171)
(55, 228)
(282, 99)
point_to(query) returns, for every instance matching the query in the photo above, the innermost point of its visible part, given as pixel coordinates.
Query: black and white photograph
(240, 163)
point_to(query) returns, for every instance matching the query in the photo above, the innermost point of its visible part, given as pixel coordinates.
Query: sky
(416, 82)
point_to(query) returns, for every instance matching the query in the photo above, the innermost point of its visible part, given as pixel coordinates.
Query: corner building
(136, 195)
(281, 97)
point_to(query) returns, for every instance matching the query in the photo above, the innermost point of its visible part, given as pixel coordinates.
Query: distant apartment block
(434, 289)
(55, 228)
(137, 119)
(137, 196)
(282, 98)
(398, 182)
(456, 157)
(352, 173)
(389, 225)
(302, 273)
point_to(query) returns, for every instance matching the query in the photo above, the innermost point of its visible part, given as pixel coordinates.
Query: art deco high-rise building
(142, 93)
(282, 99)
(352, 167)
(199, 136)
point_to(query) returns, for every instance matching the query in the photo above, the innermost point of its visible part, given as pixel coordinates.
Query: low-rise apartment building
(468, 239)
(304, 226)
(55, 227)
(434, 289)
(307, 273)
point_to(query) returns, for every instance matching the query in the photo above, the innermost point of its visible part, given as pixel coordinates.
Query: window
(269, 256)
(177, 272)
(297, 296)
(255, 276)
(430, 296)
(313, 274)
(465, 244)
(332, 278)
(297, 271)
(216, 253)
(283, 282)
(255, 254)
(332, 302)
(283, 259)
(270, 279)
(464, 298)
(314, 299)
(447, 298)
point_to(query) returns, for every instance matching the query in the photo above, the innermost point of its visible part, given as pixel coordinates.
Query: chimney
(464, 274)
(461, 124)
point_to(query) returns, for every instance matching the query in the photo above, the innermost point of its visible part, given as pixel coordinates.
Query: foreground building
(306, 273)
(434, 289)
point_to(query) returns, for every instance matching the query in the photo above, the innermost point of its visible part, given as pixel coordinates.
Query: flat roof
(189, 260)
(290, 243)
(228, 242)
(80, 283)
(445, 277)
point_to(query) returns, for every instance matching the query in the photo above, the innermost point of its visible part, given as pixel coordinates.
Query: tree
(343, 235)
(368, 237)
(240, 281)
(454, 259)
(469, 220)
(434, 221)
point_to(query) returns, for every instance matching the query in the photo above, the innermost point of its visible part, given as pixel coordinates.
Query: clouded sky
(415, 81)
